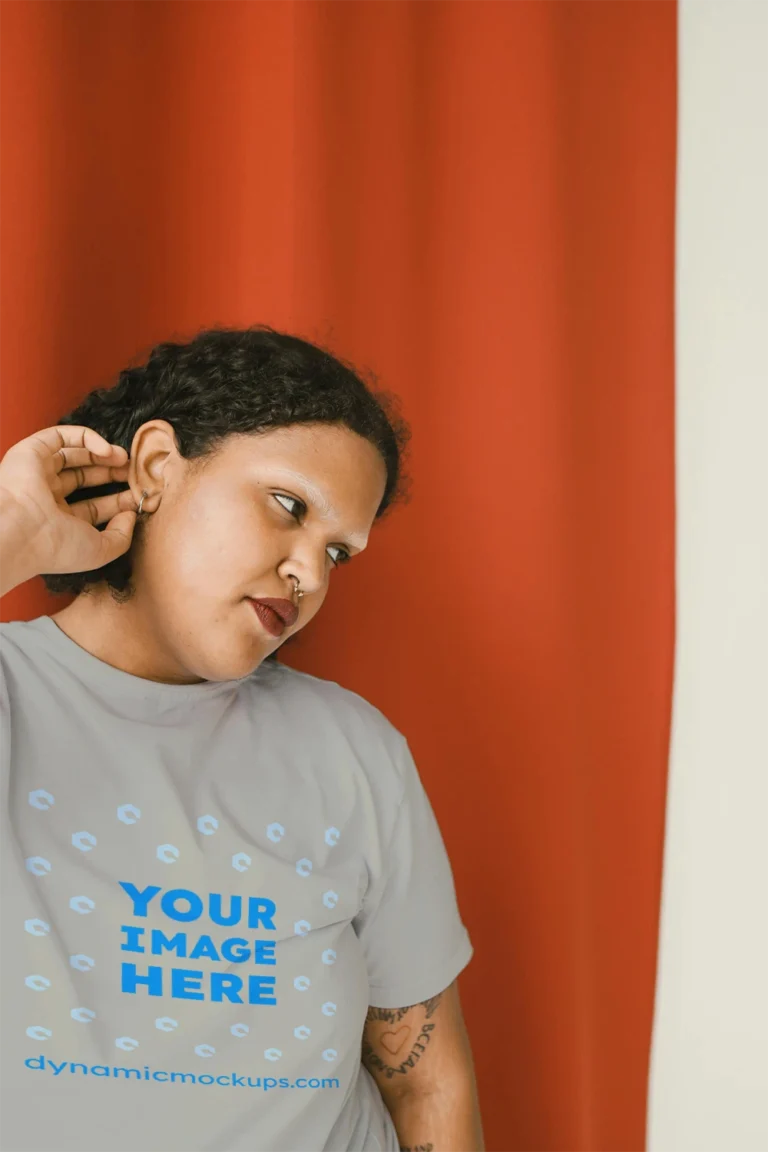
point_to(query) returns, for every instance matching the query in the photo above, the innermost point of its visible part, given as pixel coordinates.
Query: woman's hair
(232, 381)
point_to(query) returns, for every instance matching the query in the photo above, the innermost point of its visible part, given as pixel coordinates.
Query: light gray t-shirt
(203, 889)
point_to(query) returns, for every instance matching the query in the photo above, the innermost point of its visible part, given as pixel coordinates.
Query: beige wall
(709, 1068)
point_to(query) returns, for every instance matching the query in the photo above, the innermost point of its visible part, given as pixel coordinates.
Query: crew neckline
(105, 679)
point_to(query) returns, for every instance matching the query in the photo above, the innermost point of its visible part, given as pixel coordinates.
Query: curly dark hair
(228, 381)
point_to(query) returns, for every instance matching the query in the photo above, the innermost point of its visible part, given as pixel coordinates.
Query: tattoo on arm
(398, 1040)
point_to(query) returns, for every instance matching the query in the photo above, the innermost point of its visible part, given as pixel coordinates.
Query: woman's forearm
(15, 565)
(425, 1073)
(446, 1120)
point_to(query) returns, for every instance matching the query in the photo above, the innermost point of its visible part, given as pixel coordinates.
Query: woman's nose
(310, 573)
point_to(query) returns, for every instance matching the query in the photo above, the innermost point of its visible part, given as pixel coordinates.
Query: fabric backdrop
(477, 202)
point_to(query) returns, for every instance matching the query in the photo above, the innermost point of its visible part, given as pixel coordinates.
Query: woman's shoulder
(17, 637)
(323, 707)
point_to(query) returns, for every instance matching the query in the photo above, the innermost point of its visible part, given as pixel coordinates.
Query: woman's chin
(227, 662)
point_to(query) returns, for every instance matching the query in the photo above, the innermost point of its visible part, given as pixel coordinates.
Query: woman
(229, 919)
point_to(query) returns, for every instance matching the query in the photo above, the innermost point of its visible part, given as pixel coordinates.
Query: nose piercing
(299, 594)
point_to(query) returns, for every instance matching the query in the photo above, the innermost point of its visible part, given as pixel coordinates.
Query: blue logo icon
(301, 983)
(329, 1008)
(168, 853)
(302, 1032)
(166, 1023)
(85, 841)
(82, 904)
(272, 1053)
(37, 927)
(37, 983)
(301, 927)
(207, 825)
(332, 837)
(205, 1050)
(330, 1054)
(126, 1043)
(38, 1033)
(241, 861)
(81, 962)
(41, 800)
(128, 813)
(304, 866)
(239, 1030)
(38, 865)
(329, 956)
(275, 832)
(83, 1015)
(330, 898)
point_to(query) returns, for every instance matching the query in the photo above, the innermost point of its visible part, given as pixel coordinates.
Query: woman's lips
(269, 618)
(275, 615)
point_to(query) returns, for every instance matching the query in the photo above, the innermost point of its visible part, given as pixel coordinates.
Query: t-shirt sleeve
(412, 935)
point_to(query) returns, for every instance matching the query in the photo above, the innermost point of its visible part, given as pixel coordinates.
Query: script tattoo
(396, 1040)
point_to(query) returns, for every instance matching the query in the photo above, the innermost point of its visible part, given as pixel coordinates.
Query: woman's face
(293, 502)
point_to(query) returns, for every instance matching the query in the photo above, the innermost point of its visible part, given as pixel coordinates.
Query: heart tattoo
(393, 1041)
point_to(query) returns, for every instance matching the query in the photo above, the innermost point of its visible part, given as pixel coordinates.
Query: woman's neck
(122, 635)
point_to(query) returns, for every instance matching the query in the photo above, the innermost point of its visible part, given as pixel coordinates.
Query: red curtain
(475, 200)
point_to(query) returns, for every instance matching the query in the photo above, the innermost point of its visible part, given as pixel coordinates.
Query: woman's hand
(39, 531)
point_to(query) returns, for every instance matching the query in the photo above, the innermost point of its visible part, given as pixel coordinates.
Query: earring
(143, 498)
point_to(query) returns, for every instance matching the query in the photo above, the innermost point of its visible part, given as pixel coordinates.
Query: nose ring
(299, 593)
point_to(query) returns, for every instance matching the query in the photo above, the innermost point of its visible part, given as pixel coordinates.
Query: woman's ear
(155, 459)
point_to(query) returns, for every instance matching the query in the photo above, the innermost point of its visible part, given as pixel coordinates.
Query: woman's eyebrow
(320, 502)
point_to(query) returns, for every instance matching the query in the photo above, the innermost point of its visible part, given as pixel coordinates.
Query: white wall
(709, 1066)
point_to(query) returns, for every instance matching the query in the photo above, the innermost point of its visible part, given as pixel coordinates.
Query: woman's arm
(14, 568)
(422, 1062)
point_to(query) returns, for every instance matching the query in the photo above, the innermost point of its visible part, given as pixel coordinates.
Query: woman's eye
(298, 509)
(291, 504)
